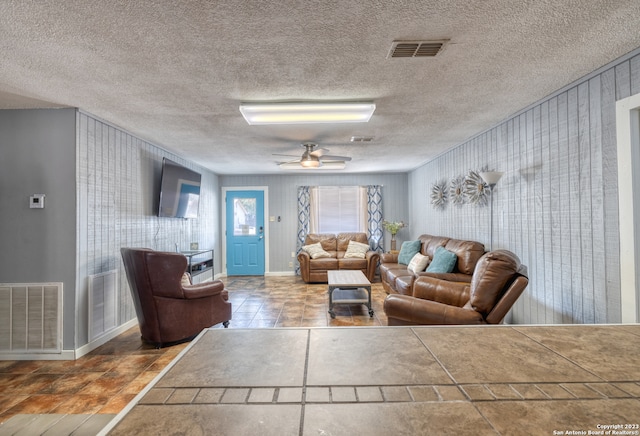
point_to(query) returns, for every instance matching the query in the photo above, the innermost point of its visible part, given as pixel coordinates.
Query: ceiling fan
(314, 157)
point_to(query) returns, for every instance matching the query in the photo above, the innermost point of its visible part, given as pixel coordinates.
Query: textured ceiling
(174, 73)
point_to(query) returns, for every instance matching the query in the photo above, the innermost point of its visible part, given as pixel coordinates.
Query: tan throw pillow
(316, 251)
(356, 249)
(186, 279)
(418, 263)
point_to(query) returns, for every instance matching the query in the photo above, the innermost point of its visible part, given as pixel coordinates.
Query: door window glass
(244, 216)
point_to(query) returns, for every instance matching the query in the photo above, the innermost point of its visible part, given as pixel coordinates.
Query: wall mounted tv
(179, 191)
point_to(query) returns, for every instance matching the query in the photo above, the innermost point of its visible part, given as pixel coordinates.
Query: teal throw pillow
(408, 250)
(444, 261)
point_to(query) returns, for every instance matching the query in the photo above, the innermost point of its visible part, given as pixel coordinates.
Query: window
(244, 216)
(336, 209)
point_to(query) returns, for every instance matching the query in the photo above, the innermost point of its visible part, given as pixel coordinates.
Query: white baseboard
(63, 355)
(85, 349)
(266, 274)
(72, 354)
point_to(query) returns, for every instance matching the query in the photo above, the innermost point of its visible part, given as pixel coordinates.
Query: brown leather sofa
(315, 270)
(170, 312)
(497, 282)
(396, 278)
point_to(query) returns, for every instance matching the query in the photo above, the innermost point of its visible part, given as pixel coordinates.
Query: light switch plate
(36, 201)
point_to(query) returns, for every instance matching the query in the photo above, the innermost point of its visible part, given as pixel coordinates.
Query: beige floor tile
(227, 419)
(534, 362)
(182, 396)
(360, 356)
(235, 396)
(503, 392)
(228, 358)
(478, 392)
(424, 393)
(530, 392)
(414, 419)
(450, 393)
(369, 394)
(289, 395)
(396, 394)
(261, 395)
(545, 417)
(602, 350)
(581, 390)
(318, 395)
(209, 396)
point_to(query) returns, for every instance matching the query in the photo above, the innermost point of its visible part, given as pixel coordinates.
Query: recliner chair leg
(225, 324)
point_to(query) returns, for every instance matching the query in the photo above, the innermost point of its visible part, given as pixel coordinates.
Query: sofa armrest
(406, 310)
(202, 290)
(441, 291)
(389, 258)
(372, 257)
(303, 260)
(450, 277)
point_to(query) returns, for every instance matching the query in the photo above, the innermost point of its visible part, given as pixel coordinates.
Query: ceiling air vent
(362, 138)
(415, 49)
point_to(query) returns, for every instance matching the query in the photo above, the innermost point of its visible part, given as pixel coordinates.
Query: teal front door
(245, 233)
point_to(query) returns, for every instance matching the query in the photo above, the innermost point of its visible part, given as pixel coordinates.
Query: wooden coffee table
(348, 287)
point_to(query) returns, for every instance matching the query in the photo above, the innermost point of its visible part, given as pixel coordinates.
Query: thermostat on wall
(36, 201)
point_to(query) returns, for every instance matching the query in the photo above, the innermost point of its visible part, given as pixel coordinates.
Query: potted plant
(393, 227)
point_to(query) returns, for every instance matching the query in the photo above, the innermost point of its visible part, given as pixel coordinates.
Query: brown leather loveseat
(397, 278)
(315, 270)
(497, 282)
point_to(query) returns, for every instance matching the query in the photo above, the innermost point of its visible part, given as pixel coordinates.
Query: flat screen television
(179, 191)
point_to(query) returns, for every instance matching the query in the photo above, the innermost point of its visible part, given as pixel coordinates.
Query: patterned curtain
(374, 212)
(303, 220)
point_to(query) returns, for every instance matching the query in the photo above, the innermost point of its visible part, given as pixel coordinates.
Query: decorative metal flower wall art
(456, 191)
(475, 189)
(439, 194)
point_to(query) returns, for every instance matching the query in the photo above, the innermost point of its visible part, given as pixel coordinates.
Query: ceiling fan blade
(319, 152)
(327, 157)
(287, 155)
(290, 165)
(295, 161)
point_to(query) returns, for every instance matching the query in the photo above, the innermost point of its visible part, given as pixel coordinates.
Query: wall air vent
(362, 138)
(416, 49)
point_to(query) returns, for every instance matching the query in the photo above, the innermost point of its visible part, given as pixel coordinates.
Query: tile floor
(461, 380)
(571, 378)
(108, 378)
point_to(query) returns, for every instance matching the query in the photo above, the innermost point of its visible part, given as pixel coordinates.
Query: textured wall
(117, 204)
(37, 149)
(556, 206)
(283, 203)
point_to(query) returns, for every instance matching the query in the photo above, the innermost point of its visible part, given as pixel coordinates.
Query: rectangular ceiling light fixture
(306, 113)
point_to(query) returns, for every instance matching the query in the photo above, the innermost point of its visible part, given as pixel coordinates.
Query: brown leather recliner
(170, 312)
(497, 282)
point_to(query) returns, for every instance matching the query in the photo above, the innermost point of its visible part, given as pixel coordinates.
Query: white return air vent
(31, 318)
(103, 304)
(416, 49)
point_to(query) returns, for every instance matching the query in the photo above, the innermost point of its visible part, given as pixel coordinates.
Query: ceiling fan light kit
(309, 161)
(324, 166)
(307, 113)
(315, 158)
